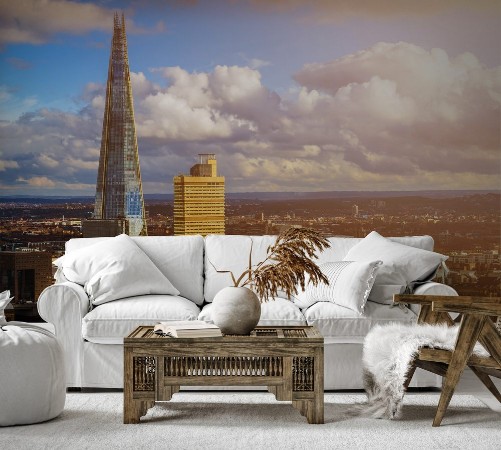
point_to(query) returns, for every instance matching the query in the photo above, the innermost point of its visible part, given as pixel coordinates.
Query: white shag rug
(255, 420)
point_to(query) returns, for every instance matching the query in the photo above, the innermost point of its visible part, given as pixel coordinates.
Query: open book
(187, 329)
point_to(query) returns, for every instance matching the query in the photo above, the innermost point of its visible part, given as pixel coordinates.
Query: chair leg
(410, 374)
(469, 331)
(486, 380)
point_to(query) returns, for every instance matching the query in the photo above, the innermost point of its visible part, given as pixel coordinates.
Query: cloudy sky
(291, 95)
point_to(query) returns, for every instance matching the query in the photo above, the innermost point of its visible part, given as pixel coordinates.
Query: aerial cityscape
(222, 153)
(474, 254)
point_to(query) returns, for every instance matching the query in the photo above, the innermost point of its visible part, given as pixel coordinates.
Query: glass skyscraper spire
(119, 192)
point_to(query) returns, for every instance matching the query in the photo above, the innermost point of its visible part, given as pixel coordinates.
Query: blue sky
(290, 95)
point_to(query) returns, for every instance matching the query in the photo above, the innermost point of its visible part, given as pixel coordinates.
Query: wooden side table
(289, 360)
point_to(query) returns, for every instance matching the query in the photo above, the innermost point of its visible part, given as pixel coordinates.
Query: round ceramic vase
(236, 310)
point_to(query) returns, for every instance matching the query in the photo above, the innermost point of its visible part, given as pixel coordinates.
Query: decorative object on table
(393, 352)
(288, 264)
(236, 310)
(187, 329)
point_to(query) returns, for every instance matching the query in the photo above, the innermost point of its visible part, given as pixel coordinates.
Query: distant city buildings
(104, 227)
(199, 199)
(119, 192)
(466, 228)
(25, 274)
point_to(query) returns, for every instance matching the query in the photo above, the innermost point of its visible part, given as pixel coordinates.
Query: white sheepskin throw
(387, 356)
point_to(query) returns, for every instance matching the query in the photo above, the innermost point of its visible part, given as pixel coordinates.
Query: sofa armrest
(430, 288)
(64, 305)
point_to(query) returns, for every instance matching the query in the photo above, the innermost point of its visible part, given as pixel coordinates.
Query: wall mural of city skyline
(290, 95)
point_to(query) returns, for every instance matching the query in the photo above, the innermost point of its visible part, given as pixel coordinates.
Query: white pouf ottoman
(32, 376)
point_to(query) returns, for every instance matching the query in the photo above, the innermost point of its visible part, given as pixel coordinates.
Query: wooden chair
(477, 324)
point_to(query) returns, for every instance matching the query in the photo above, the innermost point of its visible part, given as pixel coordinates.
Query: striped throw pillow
(350, 283)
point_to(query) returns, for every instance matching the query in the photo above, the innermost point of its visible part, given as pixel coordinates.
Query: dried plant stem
(286, 265)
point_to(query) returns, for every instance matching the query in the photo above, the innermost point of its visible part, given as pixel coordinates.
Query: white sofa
(92, 337)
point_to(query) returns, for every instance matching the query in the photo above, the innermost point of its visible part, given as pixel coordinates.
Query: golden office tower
(119, 191)
(199, 199)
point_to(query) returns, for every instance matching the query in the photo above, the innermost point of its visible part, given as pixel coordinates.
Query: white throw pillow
(5, 299)
(383, 293)
(402, 264)
(349, 285)
(114, 269)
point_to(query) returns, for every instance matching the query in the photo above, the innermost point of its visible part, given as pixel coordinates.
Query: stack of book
(187, 329)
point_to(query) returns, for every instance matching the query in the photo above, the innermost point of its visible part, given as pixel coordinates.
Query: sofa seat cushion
(339, 324)
(111, 322)
(273, 313)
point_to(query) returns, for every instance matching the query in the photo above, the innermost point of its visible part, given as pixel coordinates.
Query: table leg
(133, 408)
(301, 406)
(316, 408)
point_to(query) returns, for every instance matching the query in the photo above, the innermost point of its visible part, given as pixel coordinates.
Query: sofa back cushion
(340, 246)
(179, 258)
(231, 252)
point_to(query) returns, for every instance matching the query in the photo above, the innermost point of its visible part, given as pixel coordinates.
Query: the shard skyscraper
(119, 192)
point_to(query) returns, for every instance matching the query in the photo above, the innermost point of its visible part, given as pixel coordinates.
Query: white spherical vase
(236, 310)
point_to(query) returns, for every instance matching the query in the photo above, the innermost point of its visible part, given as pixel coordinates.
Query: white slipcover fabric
(341, 246)
(383, 293)
(179, 258)
(64, 305)
(349, 285)
(95, 365)
(346, 325)
(5, 299)
(111, 322)
(33, 383)
(402, 264)
(431, 288)
(231, 252)
(275, 312)
(114, 269)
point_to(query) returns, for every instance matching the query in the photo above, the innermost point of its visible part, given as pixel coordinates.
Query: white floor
(470, 384)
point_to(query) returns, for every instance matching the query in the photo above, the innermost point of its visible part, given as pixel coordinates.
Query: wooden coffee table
(289, 360)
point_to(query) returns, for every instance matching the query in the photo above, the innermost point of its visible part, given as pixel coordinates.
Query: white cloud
(47, 161)
(256, 63)
(78, 163)
(4, 165)
(42, 182)
(197, 106)
(405, 103)
(393, 116)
